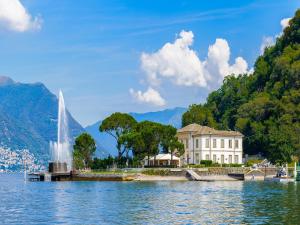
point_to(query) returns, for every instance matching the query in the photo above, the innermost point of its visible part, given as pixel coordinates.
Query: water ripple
(147, 202)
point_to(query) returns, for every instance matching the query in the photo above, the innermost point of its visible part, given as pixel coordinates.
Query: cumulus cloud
(217, 63)
(150, 96)
(285, 23)
(175, 61)
(179, 63)
(270, 40)
(266, 42)
(14, 16)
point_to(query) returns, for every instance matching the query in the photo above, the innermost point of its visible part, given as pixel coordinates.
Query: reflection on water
(147, 202)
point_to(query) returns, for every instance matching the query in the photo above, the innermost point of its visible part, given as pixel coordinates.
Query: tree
(134, 141)
(169, 142)
(263, 105)
(151, 135)
(84, 148)
(146, 138)
(168, 133)
(198, 114)
(116, 125)
(176, 145)
(280, 149)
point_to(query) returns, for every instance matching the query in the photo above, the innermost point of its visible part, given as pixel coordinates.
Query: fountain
(60, 167)
(61, 152)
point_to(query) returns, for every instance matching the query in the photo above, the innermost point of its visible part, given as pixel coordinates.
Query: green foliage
(84, 148)
(142, 139)
(176, 146)
(251, 162)
(151, 135)
(134, 141)
(198, 114)
(98, 164)
(265, 105)
(168, 133)
(110, 162)
(206, 163)
(156, 172)
(116, 125)
(195, 166)
(232, 165)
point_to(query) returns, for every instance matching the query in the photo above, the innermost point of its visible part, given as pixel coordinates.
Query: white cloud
(175, 61)
(179, 63)
(14, 16)
(266, 42)
(285, 23)
(150, 96)
(217, 63)
(270, 41)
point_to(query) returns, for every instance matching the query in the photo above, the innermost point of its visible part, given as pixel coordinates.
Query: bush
(232, 165)
(195, 165)
(215, 164)
(154, 172)
(207, 163)
(109, 162)
(251, 162)
(161, 166)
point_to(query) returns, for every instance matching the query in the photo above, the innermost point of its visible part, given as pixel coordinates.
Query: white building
(205, 143)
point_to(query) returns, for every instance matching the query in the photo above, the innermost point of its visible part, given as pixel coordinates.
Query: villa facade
(205, 143)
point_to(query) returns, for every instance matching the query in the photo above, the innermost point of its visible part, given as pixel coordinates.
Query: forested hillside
(265, 105)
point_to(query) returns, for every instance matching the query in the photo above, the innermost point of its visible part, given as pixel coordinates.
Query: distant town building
(205, 143)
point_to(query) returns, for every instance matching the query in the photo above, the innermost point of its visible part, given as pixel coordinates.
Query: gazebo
(162, 160)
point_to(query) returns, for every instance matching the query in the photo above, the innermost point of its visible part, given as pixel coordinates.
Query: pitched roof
(190, 128)
(197, 129)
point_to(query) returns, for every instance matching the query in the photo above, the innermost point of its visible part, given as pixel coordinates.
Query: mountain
(107, 144)
(167, 116)
(28, 117)
(264, 105)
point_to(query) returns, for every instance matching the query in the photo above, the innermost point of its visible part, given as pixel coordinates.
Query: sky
(135, 56)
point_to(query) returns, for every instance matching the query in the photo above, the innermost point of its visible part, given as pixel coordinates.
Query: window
(214, 143)
(207, 156)
(187, 143)
(236, 144)
(222, 143)
(236, 159)
(214, 158)
(230, 144)
(222, 159)
(197, 143)
(230, 159)
(206, 143)
(197, 158)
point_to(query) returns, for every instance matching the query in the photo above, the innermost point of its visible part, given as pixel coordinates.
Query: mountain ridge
(28, 117)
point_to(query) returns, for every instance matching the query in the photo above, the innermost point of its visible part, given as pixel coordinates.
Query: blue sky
(92, 50)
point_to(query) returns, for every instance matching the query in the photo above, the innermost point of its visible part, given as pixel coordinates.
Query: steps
(193, 175)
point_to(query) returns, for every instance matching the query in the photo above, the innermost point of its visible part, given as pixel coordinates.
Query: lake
(147, 202)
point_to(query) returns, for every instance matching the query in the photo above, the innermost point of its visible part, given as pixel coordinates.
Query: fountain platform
(58, 167)
(58, 171)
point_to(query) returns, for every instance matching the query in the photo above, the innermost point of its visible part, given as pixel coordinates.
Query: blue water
(147, 202)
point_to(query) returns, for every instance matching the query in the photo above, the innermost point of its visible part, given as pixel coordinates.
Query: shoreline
(159, 174)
